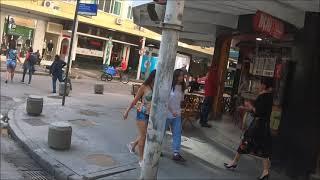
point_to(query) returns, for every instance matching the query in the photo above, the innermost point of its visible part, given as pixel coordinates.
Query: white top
(175, 99)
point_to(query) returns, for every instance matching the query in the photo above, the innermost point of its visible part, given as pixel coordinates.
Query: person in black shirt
(194, 85)
(56, 71)
(257, 138)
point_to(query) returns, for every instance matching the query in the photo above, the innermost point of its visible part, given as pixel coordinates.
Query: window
(101, 4)
(107, 5)
(116, 7)
(129, 15)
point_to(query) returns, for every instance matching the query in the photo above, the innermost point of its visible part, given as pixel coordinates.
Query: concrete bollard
(34, 105)
(98, 88)
(59, 135)
(61, 89)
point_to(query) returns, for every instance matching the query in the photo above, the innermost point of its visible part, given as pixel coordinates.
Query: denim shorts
(11, 64)
(142, 117)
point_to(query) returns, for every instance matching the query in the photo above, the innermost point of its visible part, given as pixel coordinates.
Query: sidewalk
(99, 138)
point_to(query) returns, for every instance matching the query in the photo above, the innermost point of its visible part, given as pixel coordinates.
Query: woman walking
(143, 111)
(12, 58)
(257, 138)
(28, 64)
(56, 71)
(174, 114)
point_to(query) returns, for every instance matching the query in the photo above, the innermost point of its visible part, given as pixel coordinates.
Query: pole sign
(88, 8)
(267, 24)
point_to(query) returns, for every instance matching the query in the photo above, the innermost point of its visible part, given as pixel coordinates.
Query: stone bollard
(59, 135)
(61, 89)
(34, 105)
(98, 88)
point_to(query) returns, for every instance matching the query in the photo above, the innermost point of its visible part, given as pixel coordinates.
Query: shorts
(11, 64)
(142, 117)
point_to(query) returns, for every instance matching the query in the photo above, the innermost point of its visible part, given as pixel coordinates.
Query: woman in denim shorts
(143, 111)
(12, 58)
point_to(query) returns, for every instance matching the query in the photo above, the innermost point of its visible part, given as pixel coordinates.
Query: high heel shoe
(226, 165)
(265, 177)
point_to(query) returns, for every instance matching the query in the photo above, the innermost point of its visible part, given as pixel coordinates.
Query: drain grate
(83, 122)
(35, 122)
(36, 175)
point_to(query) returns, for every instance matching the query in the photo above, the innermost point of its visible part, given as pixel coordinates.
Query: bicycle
(109, 72)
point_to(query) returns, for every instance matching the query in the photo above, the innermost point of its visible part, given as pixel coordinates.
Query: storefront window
(90, 43)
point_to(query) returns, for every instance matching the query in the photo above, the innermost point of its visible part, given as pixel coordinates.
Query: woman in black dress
(257, 138)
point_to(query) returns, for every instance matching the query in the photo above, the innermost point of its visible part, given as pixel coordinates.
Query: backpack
(33, 58)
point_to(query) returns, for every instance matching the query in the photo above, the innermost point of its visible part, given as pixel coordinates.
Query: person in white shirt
(174, 114)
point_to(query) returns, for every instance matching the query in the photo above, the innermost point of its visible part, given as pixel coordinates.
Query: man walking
(56, 71)
(209, 92)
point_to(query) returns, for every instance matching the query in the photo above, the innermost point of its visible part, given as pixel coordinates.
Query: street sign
(88, 8)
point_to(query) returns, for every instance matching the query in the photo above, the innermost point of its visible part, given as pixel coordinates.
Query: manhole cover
(100, 160)
(55, 97)
(35, 122)
(82, 122)
(88, 112)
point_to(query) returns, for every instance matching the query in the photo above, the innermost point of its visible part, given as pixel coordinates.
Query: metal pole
(70, 50)
(168, 50)
(141, 56)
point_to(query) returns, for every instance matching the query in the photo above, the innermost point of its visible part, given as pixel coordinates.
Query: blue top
(12, 55)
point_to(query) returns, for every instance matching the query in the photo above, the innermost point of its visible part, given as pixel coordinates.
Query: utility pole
(74, 28)
(171, 27)
(141, 52)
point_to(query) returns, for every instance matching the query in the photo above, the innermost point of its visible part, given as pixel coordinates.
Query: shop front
(18, 32)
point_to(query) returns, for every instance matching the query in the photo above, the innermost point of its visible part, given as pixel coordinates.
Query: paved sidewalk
(99, 140)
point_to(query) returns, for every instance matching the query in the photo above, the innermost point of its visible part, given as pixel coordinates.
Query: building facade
(108, 38)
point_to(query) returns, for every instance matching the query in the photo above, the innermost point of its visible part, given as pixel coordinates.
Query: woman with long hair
(12, 58)
(28, 65)
(257, 138)
(143, 112)
(174, 115)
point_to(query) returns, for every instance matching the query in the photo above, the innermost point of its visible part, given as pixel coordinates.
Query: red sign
(267, 24)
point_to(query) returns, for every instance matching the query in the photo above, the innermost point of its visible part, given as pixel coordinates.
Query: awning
(204, 20)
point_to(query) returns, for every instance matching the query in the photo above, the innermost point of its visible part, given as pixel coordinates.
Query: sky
(139, 2)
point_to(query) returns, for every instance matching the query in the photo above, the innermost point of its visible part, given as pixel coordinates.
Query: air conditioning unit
(48, 4)
(119, 21)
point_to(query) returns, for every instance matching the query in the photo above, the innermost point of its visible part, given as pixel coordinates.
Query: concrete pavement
(100, 135)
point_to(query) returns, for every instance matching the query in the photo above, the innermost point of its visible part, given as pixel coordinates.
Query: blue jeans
(54, 81)
(205, 109)
(176, 128)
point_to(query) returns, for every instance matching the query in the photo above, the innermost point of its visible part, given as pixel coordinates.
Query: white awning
(203, 20)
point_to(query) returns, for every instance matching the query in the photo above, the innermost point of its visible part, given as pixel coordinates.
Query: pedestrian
(28, 64)
(56, 71)
(143, 112)
(210, 87)
(12, 58)
(38, 57)
(257, 138)
(174, 115)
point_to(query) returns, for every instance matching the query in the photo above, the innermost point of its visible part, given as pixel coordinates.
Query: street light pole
(74, 27)
(172, 25)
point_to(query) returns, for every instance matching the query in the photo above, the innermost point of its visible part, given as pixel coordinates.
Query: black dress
(257, 139)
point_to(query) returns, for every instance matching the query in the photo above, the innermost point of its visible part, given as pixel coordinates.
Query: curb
(36, 73)
(51, 165)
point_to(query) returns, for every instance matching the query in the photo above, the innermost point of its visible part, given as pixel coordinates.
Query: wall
(39, 35)
(300, 125)
(2, 19)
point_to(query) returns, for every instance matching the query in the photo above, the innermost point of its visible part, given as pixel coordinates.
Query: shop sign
(21, 31)
(267, 24)
(89, 52)
(88, 8)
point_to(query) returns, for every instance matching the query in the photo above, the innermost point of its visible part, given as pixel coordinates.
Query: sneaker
(130, 147)
(206, 125)
(22, 82)
(140, 163)
(6, 81)
(177, 157)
